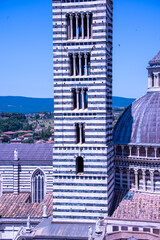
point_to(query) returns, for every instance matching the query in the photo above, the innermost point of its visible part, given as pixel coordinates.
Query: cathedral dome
(140, 122)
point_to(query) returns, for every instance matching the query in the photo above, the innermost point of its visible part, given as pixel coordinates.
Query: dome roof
(140, 122)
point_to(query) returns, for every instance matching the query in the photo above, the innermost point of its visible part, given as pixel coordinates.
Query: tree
(29, 140)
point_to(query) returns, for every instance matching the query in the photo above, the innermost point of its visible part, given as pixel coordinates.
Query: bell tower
(83, 153)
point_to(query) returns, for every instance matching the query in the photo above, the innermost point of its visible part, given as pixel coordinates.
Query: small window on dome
(152, 80)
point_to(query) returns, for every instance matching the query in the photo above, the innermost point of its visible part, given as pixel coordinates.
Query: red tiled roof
(8, 133)
(142, 206)
(19, 206)
(21, 131)
(28, 135)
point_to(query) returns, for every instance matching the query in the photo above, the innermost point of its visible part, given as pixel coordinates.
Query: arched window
(79, 165)
(37, 186)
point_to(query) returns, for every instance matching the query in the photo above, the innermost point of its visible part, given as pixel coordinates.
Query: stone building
(26, 183)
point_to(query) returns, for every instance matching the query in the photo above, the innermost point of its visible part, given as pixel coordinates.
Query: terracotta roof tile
(17, 206)
(142, 206)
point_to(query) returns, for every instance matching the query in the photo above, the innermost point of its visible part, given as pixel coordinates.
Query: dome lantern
(154, 74)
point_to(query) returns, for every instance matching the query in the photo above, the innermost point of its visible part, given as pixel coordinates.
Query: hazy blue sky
(26, 46)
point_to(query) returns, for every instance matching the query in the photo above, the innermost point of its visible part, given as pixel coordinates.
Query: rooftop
(137, 206)
(19, 206)
(155, 60)
(27, 152)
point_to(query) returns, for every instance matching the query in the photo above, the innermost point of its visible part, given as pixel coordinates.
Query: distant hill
(119, 102)
(32, 105)
(25, 104)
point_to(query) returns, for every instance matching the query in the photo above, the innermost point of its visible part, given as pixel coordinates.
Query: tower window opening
(74, 26)
(85, 26)
(88, 64)
(80, 98)
(80, 133)
(71, 64)
(74, 98)
(83, 65)
(85, 98)
(77, 65)
(90, 25)
(77, 133)
(83, 133)
(68, 27)
(79, 165)
(79, 25)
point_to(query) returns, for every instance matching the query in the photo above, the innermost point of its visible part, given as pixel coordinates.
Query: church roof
(19, 206)
(140, 122)
(27, 153)
(155, 60)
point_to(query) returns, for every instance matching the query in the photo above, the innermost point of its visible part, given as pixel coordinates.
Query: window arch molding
(38, 185)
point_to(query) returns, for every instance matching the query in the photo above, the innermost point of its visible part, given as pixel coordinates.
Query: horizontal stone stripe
(79, 184)
(88, 124)
(97, 143)
(81, 42)
(79, 204)
(65, 166)
(70, 108)
(96, 136)
(56, 217)
(69, 191)
(86, 130)
(86, 172)
(80, 197)
(77, 211)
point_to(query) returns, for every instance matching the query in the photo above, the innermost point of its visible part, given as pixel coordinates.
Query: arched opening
(142, 152)
(118, 150)
(79, 165)
(151, 152)
(126, 151)
(148, 181)
(38, 186)
(117, 178)
(134, 151)
(156, 181)
(140, 180)
(132, 179)
(124, 178)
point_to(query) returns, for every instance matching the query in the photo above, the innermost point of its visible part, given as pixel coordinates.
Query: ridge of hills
(35, 105)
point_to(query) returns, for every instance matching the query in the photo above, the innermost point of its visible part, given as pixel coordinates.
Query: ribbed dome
(140, 122)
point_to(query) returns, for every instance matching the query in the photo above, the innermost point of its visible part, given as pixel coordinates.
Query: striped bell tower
(83, 152)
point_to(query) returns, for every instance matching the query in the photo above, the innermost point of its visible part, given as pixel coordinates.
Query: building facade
(83, 152)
